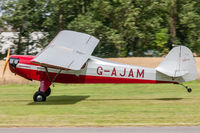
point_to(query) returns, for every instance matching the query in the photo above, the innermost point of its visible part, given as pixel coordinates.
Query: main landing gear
(45, 90)
(186, 87)
(40, 96)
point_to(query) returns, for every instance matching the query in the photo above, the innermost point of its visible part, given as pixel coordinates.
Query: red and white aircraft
(67, 59)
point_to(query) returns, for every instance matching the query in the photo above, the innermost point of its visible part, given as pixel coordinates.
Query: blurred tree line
(125, 27)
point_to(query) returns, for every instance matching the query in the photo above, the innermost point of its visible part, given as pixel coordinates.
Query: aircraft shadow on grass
(64, 100)
(61, 100)
(131, 99)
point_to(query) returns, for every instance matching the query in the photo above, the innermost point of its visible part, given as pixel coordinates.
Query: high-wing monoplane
(68, 59)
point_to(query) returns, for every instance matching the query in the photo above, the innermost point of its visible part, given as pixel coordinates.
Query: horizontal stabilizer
(175, 73)
(68, 50)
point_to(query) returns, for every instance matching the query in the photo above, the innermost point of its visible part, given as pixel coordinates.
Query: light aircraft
(67, 59)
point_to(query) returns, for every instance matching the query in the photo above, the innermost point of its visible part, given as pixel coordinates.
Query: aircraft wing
(68, 50)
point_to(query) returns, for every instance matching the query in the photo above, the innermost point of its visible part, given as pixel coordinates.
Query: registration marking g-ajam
(100, 71)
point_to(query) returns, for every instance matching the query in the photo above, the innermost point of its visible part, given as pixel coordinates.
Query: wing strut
(54, 78)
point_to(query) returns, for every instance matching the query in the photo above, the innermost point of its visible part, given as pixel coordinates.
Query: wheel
(48, 91)
(189, 90)
(39, 96)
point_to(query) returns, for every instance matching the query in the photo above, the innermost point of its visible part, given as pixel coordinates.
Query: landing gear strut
(186, 87)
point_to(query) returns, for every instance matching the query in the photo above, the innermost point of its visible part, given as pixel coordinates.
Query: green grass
(101, 105)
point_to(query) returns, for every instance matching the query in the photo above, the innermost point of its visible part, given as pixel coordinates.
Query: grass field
(101, 105)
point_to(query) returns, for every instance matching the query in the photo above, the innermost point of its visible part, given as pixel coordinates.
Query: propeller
(6, 63)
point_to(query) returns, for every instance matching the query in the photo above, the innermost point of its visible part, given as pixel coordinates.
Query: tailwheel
(186, 87)
(189, 89)
(39, 96)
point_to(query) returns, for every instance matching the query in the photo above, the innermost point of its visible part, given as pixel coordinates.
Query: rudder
(179, 63)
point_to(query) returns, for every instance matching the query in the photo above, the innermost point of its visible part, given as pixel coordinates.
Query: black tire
(48, 91)
(189, 90)
(39, 96)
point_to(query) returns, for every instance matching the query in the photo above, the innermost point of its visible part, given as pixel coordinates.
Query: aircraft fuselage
(95, 70)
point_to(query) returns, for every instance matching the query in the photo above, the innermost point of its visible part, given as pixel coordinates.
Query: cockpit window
(13, 62)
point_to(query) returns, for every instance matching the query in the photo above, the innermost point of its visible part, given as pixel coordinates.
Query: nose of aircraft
(6, 62)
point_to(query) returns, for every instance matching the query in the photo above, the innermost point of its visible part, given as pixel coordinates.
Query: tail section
(179, 63)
